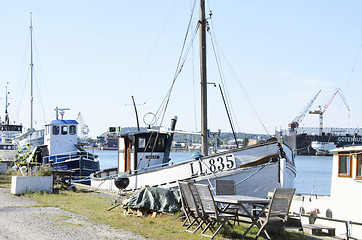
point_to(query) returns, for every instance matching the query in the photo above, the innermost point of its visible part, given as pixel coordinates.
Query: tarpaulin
(156, 199)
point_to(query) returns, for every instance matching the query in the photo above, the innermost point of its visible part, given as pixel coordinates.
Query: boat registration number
(212, 164)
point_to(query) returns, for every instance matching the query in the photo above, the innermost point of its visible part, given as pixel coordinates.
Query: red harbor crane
(321, 111)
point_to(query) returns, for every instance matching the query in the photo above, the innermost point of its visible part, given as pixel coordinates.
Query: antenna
(60, 111)
(135, 109)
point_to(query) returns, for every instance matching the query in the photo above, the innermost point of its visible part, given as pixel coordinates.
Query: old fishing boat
(61, 149)
(143, 156)
(7, 133)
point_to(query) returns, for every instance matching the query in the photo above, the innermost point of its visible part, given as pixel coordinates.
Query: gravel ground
(21, 219)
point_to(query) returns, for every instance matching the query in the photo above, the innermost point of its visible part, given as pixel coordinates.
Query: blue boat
(61, 149)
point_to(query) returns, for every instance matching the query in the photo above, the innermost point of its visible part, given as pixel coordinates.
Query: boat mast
(135, 110)
(31, 73)
(204, 130)
(7, 122)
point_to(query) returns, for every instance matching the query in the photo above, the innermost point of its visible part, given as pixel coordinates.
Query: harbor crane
(321, 111)
(84, 129)
(299, 118)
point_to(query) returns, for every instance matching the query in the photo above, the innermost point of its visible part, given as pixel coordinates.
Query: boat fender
(329, 213)
(301, 210)
(196, 155)
(282, 170)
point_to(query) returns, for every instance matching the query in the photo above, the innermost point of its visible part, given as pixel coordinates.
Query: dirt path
(21, 219)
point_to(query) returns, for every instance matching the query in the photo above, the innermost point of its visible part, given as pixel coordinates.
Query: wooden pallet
(139, 212)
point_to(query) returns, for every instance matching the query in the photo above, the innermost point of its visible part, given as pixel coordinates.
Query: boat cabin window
(72, 129)
(55, 130)
(64, 130)
(152, 143)
(359, 166)
(141, 142)
(344, 166)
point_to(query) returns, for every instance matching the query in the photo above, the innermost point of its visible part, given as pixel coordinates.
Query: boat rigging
(31, 136)
(144, 155)
(203, 27)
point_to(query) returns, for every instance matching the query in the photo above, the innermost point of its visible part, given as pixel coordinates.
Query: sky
(93, 56)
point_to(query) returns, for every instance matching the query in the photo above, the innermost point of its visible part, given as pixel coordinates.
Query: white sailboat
(144, 156)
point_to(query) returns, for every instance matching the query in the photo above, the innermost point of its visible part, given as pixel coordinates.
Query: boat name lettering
(212, 164)
(349, 139)
(152, 157)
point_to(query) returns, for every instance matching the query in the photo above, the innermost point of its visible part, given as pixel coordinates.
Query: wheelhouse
(142, 151)
(347, 170)
(61, 136)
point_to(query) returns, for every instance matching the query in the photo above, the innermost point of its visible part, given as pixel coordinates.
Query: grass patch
(5, 180)
(94, 206)
(165, 226)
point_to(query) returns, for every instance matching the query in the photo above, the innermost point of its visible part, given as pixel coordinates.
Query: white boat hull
(323, 148)
(7, 155)
(7, 152)
(251, 180)
(34, 139)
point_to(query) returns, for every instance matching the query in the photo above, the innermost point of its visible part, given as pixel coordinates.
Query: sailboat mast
(7, 122)
(204, 130)
(31, 73)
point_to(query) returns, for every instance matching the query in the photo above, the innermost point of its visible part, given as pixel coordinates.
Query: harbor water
(313, 172)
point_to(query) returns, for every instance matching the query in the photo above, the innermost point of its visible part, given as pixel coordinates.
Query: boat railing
(348, 224)
(67, 156)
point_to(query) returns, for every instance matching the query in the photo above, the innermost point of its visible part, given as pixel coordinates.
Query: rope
(166, 100)
(146, 146)
(102, 178)
(20, 93)
(40, 85)
(248, 177)
(222, 78)
(153, 48)
(242, 87)
(353, 67)
(254, 173)
(180, 65)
